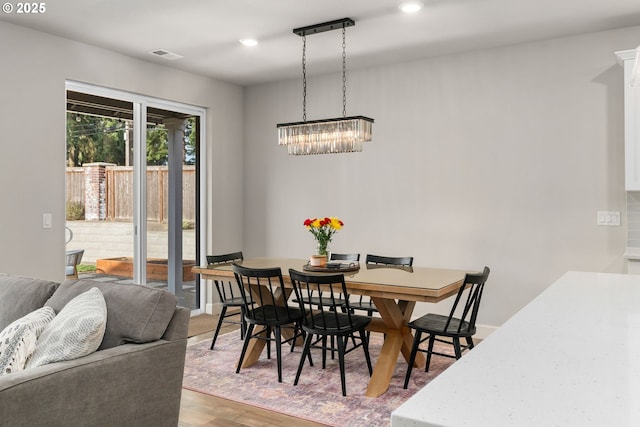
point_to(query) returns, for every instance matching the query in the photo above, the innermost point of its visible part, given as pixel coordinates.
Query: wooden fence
(119, 192)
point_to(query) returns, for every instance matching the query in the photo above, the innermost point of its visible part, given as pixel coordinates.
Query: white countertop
(569, 358)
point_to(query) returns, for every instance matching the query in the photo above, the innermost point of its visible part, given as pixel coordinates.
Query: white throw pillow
(39, 319)
(18, 340)
(75, 332)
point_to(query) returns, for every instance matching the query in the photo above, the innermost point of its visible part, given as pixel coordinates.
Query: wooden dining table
(393, 290)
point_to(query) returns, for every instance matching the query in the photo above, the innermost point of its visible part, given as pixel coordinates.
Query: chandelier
(338, 135)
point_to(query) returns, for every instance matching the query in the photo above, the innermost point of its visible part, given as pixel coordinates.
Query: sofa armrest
(131, 384)
(178, 327)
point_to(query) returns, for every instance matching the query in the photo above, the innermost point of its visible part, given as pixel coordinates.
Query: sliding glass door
(151, 191)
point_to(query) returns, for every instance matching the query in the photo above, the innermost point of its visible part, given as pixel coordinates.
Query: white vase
(318, 260)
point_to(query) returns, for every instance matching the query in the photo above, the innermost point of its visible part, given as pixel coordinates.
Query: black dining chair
(316, 298)
(264, 295)
(323, 322)
(365, 304)
(460, 323)
(229, 295)
(344, 257)
(406, 261)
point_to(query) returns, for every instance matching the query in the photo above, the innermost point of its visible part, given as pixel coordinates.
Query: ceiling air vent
(165, 54)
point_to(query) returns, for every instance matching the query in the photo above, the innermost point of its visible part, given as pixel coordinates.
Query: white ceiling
(206, 32)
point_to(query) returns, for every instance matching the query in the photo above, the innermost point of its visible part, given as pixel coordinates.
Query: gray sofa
(135, 377)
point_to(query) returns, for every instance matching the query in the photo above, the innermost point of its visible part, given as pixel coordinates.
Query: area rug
(201, 324)
(318, 396)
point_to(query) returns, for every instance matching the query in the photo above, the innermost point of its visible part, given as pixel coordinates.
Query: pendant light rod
(325, 26)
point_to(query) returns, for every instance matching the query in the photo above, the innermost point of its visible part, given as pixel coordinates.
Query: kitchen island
(571, 357)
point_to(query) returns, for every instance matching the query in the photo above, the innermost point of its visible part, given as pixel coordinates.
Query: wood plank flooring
(198, 409)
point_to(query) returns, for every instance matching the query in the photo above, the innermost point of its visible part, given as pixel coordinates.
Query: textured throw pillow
(39, 319)
(17, 342)
(18, 339)
(75, 332)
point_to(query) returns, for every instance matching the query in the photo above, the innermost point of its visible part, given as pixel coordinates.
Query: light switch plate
(47, 220)
(608, 218)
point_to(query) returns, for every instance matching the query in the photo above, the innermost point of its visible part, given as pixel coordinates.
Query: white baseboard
(483, 331)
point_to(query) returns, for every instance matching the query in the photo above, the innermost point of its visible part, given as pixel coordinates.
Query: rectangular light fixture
(339, 135)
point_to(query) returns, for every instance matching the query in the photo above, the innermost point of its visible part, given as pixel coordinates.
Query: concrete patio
(108, 239)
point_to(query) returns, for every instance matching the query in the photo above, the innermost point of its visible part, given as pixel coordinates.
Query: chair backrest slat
(330, 288)
(261, 287)
(473, 287)
(224, 258)
(226, 289)
(387, 260)
(344, 257)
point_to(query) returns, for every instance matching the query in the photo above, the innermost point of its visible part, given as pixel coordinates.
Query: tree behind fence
(119, 192)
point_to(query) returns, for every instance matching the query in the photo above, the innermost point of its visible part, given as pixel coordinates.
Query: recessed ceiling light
(411, 7)
(249, 42)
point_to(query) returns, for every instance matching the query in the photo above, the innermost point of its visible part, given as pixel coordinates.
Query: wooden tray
(340, 267)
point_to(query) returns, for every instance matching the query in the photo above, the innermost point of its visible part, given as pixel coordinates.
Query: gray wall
(32, 118)
(499, 157)
(496, 157)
